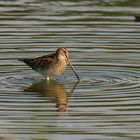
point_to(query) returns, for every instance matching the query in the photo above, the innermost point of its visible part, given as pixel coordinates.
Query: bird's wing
(39, 62)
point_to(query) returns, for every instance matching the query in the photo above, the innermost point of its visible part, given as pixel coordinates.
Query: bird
(52, 64)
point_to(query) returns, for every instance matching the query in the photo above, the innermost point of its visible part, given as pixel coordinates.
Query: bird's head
(62, 53)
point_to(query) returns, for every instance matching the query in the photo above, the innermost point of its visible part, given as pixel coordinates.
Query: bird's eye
(64, 51)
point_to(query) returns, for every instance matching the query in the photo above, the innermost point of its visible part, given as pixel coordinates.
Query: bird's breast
(58, 67)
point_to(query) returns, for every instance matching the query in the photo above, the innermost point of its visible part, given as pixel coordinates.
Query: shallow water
(103, 40)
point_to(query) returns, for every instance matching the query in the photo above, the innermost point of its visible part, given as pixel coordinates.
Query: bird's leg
(47, 78)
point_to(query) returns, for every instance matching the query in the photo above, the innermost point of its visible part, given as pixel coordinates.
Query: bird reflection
(53, 89)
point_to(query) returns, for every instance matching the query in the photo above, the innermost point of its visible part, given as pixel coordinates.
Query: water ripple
(103, 40)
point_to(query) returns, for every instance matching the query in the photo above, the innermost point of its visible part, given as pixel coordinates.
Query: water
(103, 40)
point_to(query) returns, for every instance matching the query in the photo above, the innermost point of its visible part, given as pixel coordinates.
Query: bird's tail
(25, 60)
(21, 59)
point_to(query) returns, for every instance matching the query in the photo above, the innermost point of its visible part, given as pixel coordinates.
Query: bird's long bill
(73, 69)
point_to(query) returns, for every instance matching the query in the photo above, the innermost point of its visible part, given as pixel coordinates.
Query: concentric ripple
(118, 79)
(107, 78)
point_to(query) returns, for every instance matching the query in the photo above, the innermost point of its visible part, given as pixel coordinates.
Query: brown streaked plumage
(50, 65)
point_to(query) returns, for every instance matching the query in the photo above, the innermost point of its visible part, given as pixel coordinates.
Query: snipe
(50, 65)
